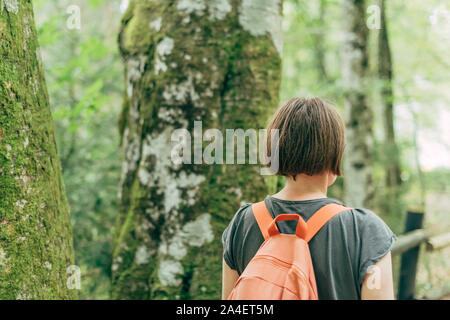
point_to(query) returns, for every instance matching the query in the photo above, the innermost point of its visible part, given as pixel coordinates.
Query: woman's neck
(304, 187)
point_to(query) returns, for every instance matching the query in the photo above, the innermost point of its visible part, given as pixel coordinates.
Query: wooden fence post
(408, 267)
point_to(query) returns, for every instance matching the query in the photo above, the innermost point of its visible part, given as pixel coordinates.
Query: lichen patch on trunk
(10, 5)
(168, 272)
(157, 150)
(260, 17)
(163, 49)
(156, 24)
(218, 9)
(195, 234)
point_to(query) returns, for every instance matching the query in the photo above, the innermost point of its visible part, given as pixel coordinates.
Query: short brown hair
(311, 137)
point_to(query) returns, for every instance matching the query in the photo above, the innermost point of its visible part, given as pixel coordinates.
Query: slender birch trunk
(359, 118)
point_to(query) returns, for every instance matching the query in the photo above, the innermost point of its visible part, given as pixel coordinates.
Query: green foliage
(437, 180)
(311, 66)
(85, 83)
(84, 77)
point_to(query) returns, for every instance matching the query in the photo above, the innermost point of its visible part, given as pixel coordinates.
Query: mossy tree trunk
(212, 61)
(35, 231)
(358, 159)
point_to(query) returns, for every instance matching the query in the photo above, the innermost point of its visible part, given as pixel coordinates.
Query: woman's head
(311, 138)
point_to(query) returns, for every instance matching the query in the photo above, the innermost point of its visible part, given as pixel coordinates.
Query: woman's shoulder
(243, 210)
(240, 215)
(366, 221)
(365, 216)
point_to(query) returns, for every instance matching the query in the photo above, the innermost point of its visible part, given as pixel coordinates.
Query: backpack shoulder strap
(321, 217)
(263, 217)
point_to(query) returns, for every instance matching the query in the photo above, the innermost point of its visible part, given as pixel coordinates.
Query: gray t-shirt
(341, 252)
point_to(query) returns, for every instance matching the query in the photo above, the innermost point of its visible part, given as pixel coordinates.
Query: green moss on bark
(35, 231)
(171, 218)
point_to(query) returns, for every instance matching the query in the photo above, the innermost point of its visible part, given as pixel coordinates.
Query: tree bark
(212, 61)
(358, 113)
(319, 44)
(392, 157)
(35, 231)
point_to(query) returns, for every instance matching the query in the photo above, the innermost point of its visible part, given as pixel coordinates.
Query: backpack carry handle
(314, 224)
(300, 231)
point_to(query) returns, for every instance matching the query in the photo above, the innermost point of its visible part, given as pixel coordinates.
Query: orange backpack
(282, 268)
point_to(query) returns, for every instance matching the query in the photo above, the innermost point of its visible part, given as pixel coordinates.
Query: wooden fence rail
(409, 240)
(408, 246)
(438, 242)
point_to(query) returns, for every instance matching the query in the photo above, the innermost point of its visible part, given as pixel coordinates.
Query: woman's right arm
(378, 283)
(229, 278)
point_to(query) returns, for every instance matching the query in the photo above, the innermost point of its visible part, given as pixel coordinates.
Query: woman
(351, 253)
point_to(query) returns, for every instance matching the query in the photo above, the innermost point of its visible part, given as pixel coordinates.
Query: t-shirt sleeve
(229, 237)
(376, 240)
